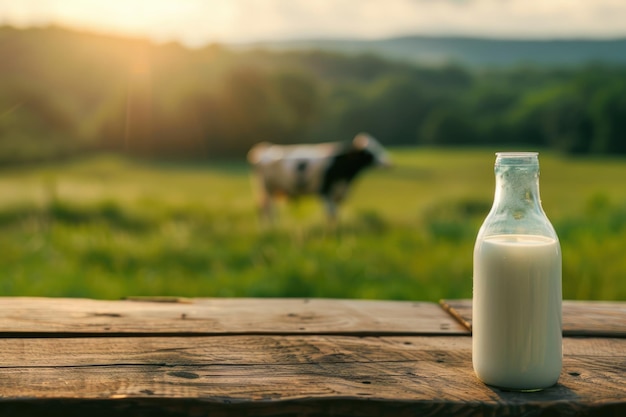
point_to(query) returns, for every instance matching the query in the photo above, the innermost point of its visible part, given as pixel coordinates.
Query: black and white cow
(325, 169)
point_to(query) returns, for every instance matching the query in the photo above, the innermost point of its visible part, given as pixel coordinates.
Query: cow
(323, 169)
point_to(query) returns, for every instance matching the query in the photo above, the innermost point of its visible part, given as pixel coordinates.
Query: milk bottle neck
(517, 203)
(517, 189)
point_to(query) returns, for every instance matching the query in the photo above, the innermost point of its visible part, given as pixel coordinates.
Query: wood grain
(580, 318)
(307, 375)
(55, 317)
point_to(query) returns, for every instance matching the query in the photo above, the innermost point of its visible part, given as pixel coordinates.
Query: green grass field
(107, 227)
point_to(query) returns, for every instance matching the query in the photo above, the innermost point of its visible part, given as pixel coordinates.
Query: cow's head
(366, 143)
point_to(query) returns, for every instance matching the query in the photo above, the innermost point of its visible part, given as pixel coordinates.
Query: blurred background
(124, 127)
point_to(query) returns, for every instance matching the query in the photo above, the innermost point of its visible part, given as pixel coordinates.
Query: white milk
(516, 331)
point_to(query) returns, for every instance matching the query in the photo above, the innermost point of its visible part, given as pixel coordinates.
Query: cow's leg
(266, 208)
(331, 209)
(333, 198)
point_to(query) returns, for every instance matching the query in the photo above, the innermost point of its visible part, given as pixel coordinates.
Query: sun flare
(157, 19)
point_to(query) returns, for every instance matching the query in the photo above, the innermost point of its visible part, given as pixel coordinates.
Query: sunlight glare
(157, 19)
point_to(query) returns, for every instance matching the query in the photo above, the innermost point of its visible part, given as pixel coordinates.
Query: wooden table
(284, 357)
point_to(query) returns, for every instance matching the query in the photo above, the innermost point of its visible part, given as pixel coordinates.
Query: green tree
(448, 126)
(608, 111)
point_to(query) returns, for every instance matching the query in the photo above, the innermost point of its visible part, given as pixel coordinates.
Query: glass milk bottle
(516, 320)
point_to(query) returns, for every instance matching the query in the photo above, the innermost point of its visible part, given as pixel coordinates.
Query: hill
(469, 51)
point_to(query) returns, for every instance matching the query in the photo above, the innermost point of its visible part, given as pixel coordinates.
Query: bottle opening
(517, 158)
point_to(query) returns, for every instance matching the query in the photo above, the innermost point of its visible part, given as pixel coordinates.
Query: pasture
(110, 227)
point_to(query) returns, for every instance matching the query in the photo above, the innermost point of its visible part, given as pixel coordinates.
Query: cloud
(376, 18)
(196, 22)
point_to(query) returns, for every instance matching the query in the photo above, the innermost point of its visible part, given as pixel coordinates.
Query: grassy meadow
(109, 227)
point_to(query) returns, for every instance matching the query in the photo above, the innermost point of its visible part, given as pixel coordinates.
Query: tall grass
(109, 228)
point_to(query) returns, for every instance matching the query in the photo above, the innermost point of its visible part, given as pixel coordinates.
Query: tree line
(64, 92)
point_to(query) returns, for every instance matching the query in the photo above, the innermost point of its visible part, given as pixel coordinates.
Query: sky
(199, 22)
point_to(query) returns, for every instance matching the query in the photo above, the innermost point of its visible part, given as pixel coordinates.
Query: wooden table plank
(283, 357)
(580, 318)
(292, 375)
(170, 316)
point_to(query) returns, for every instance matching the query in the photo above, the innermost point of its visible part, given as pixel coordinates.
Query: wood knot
(184, 374)
(106, 315)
